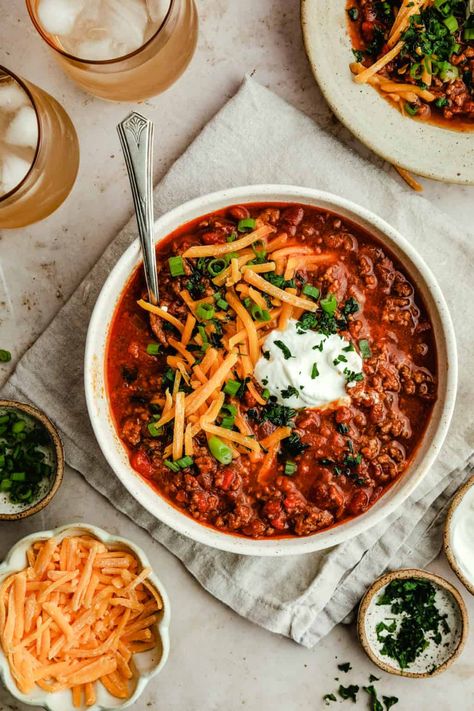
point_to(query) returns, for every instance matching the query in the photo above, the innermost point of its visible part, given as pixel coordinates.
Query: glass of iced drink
(39, 152)
(121, 50)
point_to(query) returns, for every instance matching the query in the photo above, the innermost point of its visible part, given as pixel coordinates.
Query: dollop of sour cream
(307, 369)
(462, 534)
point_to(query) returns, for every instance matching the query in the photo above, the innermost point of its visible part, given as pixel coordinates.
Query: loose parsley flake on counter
(375, 704)
(329, 697)
(344, 667)
(348, 692)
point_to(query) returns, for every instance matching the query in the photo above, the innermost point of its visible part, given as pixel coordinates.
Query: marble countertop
(218, 660)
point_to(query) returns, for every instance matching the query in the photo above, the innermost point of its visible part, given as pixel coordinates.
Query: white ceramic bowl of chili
(147, 664)
(425, 454)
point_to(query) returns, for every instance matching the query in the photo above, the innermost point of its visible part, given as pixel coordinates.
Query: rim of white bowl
(16, 560)
(114, 451)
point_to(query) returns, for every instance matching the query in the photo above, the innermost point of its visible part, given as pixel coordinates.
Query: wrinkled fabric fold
(258, 138)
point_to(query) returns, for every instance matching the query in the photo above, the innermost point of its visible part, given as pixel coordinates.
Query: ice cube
(157, 9)
(59, 16)
(23, 128)
(12, 171)
(12, 96)
(94, 49)
(125, 23)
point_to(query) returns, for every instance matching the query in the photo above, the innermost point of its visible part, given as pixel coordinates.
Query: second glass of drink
(121, 51)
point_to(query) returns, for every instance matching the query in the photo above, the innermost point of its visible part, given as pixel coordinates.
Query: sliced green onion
(231, 409)
(469, 33)
(451, 23)
(18, 426)
(266, 394)
(185, 462)
(229, 256)
(219, 450)
(447, 71)
(18, 476)
(411, 109)
(232, 237)
(5, 356)
(313, 291)
(290, 468)
(247, 224)
(176, 265)
(442, 101)
(258, 313)
(216, 266)
(329, 304)
(5, 484)
(416, 71)
(228, 422)
(222, 304)
(364, 348)
(174, 466)
(154, 430)
(153, 349)
(232, 387)
(205, 311)
(204, 338)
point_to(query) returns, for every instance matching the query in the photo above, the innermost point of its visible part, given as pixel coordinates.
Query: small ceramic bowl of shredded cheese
(412, 623)
(83, 620)
(459, 534)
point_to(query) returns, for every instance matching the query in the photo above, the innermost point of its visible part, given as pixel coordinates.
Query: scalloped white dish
(148, 664)
(423, 148)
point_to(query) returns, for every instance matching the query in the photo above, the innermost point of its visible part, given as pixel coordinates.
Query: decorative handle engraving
(136, 139)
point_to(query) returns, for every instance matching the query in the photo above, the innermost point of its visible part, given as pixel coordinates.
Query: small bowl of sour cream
(459, 534)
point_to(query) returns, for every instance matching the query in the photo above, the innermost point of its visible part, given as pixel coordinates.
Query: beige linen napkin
(258, 138)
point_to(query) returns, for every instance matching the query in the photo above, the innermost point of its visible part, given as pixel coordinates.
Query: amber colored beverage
(39, 152)
(121, 52)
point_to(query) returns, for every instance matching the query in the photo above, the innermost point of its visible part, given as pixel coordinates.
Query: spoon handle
(136, 138)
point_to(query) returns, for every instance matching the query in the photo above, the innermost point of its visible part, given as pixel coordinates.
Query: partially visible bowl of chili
(209, 417)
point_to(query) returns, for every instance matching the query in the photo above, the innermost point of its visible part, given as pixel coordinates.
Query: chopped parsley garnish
(287, 354)
(353, 377)
(340, 359)
(350, 307)
(344, 667)
(273, 412)
(307, 321)
(289, 392)
(167, 380)
(348, 692)
(293, 444)
(266, 355)
(420, 620)
(353, 13)
(280, 281)
(314, 371)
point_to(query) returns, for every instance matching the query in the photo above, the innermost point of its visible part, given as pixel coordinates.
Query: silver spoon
(136, 138)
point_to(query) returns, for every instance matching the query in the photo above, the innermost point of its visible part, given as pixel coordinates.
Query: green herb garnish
(348, 692)
(287, 354)
(421, 622)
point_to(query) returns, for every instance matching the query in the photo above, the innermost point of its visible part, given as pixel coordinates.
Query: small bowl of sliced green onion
(31, 460)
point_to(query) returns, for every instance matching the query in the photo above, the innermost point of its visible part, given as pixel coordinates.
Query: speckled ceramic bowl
(423, 148)
(456, 564)
(115, 452)
(49, 487)
(433, 661)
(148, 664)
